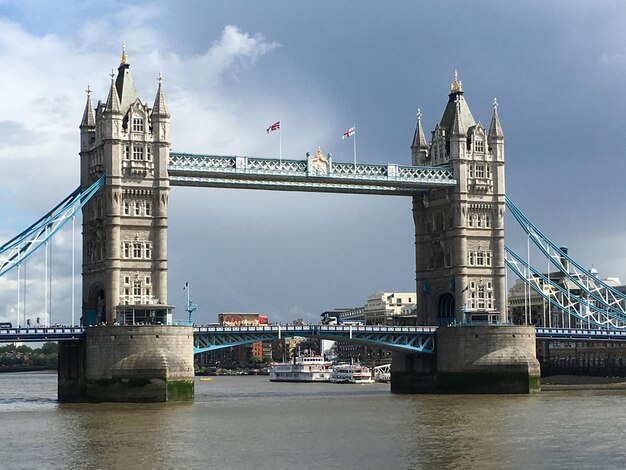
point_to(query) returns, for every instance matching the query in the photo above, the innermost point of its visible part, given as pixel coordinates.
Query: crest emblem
(319, 165)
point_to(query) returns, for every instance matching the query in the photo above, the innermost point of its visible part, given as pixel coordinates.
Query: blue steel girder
(408, 339)
(603, 295)
(219, 171)
(19, 248)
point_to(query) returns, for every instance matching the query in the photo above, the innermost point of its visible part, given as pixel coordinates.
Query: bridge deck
(33, 335)
(398, 337)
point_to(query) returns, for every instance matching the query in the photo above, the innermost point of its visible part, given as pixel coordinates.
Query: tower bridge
(456, 183)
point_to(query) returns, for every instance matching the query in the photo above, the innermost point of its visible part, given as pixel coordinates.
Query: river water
(243, 423)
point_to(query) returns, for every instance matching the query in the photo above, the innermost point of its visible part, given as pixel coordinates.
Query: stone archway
(94, 311)
(445, 309)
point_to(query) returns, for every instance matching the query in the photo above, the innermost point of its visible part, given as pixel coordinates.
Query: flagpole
(354, 143)
(188, 309)
(280, 142)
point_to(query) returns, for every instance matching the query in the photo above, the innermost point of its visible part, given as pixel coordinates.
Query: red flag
(274, 127)
(348, 133)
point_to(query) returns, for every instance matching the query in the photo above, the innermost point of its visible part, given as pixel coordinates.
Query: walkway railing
(41, 334)
(578, 333)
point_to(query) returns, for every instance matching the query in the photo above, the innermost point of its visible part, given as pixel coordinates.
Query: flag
(348, 133)
(274, 127)
(186, 285)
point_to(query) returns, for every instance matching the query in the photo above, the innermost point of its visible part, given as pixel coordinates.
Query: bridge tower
(134, 354)
(460, 269)
(125, 225)
(459, 231)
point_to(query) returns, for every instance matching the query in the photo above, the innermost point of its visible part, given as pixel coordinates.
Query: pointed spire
(458, 129)
(495, 129)
(160, 108)
(456, 106)
(89, 119)
(419, 140)
(126, 90)
(113, 101)
(124, 58)
(456, 86)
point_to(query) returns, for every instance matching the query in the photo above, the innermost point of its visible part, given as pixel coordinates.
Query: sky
(231, 69)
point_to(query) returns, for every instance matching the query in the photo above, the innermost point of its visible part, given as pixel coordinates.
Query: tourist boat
(351, 373)
(302, 369)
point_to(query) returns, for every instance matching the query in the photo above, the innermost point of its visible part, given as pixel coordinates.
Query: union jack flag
(274, 127)
(348, 133)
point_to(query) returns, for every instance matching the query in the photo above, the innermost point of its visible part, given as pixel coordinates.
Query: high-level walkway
(319, 174)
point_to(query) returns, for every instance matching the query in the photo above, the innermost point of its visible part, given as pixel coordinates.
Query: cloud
(16, 134)
(44, 92)
(233, 47)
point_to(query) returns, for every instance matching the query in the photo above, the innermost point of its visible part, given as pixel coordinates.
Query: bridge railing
(580, 333)
(309, 328)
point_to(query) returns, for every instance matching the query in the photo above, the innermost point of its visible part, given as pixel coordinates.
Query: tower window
(137, 153)
(148, 153)
(479, 146)
(126, 208)
(148, 250)
(127, 152)
(137, 208)
(479, 258)
(439, 222)
(126, 250)
(148, 208)
(137, 250)
(480, 171)
(137, 125)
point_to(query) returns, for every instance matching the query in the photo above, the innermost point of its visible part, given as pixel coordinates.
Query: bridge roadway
(418, 339)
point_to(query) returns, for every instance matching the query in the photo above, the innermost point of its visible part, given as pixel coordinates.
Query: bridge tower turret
(125, 225)
(459, 232)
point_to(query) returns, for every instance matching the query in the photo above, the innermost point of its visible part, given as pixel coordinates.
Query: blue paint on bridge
(417, 339)
(413, 339)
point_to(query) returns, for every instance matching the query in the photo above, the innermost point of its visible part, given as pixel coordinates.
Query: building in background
(242, 319)
(242, 355)
(383, 308)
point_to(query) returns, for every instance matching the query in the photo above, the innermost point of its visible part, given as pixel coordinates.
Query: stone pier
(472, 359)
(128, 364)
